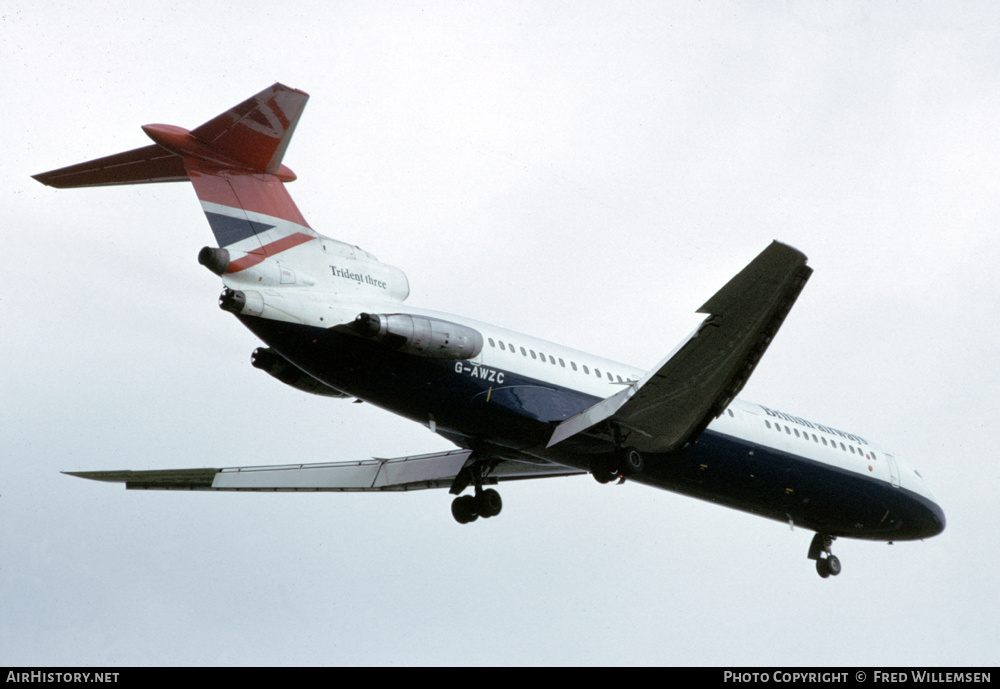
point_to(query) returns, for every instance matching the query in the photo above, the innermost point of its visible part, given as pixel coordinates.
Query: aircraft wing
(436, 470)
(675, 401)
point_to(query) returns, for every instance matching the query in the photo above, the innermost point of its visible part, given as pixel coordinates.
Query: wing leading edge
(676, 401)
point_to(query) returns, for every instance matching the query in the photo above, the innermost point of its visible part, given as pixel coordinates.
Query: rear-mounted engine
(420, 335)
(269, 361)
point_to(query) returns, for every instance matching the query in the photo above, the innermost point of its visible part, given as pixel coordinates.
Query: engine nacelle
(421, 335)
(269, 361)
(237, 301)
(216, 260)
(259, 272)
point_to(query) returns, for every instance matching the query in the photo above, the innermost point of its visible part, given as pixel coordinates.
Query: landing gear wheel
(833, 565)
(604, 469)
(631, 462)
(464, 509)
(822, 545)
(488, 503)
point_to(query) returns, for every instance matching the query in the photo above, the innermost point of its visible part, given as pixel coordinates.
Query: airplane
(334, 323)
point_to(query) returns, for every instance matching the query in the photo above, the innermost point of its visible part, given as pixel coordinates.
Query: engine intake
(420, 335)
(216, 260)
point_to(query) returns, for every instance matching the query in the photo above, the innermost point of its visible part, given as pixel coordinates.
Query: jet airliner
(335, 323)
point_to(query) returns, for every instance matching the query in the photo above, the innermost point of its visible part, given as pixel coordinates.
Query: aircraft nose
(935, 519)
(926, 518)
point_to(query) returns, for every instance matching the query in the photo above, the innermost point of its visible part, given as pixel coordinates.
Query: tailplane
(234, 163)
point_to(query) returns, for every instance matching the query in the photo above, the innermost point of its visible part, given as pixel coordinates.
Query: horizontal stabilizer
(436, 470)
(257, 131)
(234, 163)
(139, 166)
(252, 136)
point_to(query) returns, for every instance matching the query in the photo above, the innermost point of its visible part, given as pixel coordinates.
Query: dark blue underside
(515, 415)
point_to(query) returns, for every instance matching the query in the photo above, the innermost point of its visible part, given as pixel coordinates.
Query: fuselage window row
(845, 448)
(550, 358)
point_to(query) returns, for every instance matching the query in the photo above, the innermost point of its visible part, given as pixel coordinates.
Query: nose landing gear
(825, 566)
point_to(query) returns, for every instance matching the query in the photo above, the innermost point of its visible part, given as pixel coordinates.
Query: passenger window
(619, 378)
(788, 430)
(491, 342)
(824, 441)
(797, 433)
(562, 363)
(573, 364)
(502, 348)
(598, 372)
(766, 422)
(586, 370)
(852, 448)
(533, 354)
(874, 457)
(512, 347)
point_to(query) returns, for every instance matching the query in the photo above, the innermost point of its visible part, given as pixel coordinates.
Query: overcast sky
(589, 173)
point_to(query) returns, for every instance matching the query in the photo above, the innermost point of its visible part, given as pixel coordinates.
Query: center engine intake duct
(420, 335)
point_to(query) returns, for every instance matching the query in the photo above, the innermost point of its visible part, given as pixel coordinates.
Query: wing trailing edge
(435, 470)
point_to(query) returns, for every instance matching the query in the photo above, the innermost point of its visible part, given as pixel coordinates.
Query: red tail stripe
(272, 249)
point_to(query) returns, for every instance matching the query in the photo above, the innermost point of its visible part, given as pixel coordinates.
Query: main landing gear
(469, 508)
(484, 503)
(626, 461)
(820, 546)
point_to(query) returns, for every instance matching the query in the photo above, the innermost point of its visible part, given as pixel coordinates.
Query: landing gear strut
(825, 566)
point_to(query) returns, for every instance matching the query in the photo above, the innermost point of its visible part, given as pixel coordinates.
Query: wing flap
(435, 470)
(402, 473)
(675, 401)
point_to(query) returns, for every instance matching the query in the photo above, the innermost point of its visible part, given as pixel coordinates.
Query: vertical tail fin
(234, 162)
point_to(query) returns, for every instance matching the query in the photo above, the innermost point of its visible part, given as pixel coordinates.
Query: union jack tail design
(234, 163)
